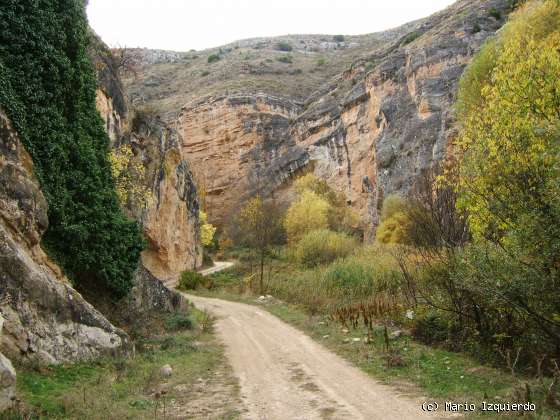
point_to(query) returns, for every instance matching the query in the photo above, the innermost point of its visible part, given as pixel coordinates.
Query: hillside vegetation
(47, 86)
(291, 66)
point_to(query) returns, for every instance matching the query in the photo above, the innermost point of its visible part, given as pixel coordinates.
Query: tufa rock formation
(45, 319)
(369, 131)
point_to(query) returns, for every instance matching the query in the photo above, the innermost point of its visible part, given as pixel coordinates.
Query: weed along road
(285, 375)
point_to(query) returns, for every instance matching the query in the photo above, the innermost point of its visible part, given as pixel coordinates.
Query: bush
(323, 246)
(410, 37)
(287, 59)
(338, 38)
(190, 280)
(284, 46)
(340, 215)
(495, 13)
(321, 62)
(392, 204)
(394, 230)
(178, 321)
(47, 87)
(308, 213)
(212, 58)
(204, 73)
(395, 223)
(370, 271)
(431, 328)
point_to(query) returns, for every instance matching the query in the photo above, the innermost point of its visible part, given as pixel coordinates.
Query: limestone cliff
(169, 216)
(370, 131)
(45, 319)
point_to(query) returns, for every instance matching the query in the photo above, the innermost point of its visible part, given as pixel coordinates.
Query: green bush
(410, 37)
(212, 58)
(323, 246)
(431, 328)
(178, 321)
(495, 13)
(284, 46)
(369, 272)
(287, 59)
(47, 88)
(190, 280)
(338, 38)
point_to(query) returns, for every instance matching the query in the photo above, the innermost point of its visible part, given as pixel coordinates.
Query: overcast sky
(182, 25)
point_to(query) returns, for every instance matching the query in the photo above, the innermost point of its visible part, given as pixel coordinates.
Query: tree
(124, 61)
(207, 230)
(260, 228)
(340, 216)
(509, 177)
(308, 213)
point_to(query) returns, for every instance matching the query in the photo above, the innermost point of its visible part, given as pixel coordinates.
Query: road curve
(286, 375)
(218, 266)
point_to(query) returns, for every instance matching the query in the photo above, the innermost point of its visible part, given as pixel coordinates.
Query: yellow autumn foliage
(309, 212)
(207, 230)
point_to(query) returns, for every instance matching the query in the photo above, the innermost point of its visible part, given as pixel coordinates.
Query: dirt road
(285, 375)
(218, 266)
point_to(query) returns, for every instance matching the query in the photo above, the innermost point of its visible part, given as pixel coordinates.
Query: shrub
(495, 13)
(287, 59)
(321, 62)
(204, 73)
(190, 280)
(47, 87)
(394, 230)
(395, 223)
(284, 46)
(178, 321)
(431, 328)
(207, 230)
(392, 204)
(340, 216)
(308, 213)
(323, 246)
(410, 37)
(338, 38)
(366, 273)
(212, 58)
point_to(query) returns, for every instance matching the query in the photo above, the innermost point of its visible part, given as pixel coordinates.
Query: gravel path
(284, 374)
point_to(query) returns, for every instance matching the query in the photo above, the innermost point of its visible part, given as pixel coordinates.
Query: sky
(182, 25)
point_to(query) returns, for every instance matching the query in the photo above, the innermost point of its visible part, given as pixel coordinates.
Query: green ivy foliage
(47, 86)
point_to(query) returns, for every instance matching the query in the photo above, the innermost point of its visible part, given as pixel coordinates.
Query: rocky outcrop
(7, 378)
(46, 320)
(170, 214)
(370, 132)
(238, 145)
(169, 217)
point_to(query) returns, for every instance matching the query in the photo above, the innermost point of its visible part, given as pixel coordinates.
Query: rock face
(170, 218)
(45, 319)
(370, 132)
(238, 145)
(7, 378)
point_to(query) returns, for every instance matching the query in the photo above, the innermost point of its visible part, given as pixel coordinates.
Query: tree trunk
(261, 282)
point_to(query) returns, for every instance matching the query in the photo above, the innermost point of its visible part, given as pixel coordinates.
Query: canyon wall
(370, 131)
(44, 319)
(169, 216)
